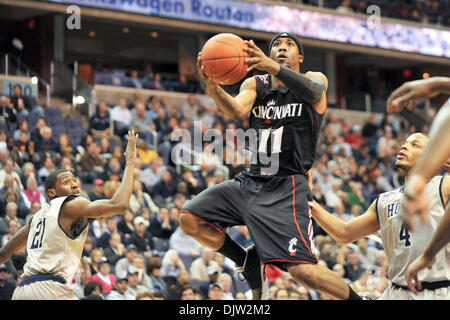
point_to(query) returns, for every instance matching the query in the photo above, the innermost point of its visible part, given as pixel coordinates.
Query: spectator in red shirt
(355, 138)
(104, 277)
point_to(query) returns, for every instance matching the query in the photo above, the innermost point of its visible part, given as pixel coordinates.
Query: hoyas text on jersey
(393, 209)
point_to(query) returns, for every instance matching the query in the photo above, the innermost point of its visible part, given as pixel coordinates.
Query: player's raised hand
(420, 263)
(409, 93)
(258, 59)
(131, 150)
(415, 202)
(207, 80)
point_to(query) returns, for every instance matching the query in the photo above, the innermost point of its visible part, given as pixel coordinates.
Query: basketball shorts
(275, 209)
(396, 293)
(44, 290)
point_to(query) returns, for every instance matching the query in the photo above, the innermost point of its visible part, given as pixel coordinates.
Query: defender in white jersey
(402, 247)
(55, 236)
(437, 152)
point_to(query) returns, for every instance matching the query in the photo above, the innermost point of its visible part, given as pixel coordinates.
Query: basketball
(223, 58)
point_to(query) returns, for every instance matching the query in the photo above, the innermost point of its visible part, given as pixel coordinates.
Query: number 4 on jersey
(404, 235)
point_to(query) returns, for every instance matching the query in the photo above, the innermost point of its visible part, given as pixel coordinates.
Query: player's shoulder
(75, 202)
(249, 83)
(317, 75)
(441, 181)
(444, 185)
(262, 79)
(391, 195)
(438, 179)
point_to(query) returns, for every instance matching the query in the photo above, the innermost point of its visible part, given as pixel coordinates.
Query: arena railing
(12, 67)
(65, 83)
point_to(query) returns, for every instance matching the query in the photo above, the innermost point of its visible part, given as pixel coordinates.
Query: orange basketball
(223, 58)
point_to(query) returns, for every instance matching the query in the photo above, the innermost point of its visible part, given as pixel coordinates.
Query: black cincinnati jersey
(287, 128)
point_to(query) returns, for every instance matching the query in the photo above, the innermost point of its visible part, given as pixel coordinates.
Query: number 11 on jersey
(277, 135)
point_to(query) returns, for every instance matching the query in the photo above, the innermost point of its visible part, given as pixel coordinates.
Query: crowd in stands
(426, 11)
(147, 79)
(142, 253)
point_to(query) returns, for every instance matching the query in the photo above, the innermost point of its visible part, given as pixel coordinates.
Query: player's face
(285, 51)
(66, 185)
(410, 151)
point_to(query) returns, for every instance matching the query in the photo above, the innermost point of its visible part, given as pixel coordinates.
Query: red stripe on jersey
(279, 260)
(295, 216)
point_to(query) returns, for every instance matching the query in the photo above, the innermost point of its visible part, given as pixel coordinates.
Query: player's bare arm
(18, 241)
(351, 231)
(83, 208)
(410, 92)
(311, 86)
(236, 107)
(437, 150)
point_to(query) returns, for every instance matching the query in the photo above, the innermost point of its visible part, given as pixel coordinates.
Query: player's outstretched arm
(234, 107)
(18, 241)
(81, 207)
(435, 155)
(410, 92)
(437, 150)
(353, 230)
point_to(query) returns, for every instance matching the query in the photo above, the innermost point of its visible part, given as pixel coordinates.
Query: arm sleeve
(303, 87)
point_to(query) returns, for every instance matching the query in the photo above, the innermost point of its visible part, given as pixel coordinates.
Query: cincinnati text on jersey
(273, 112)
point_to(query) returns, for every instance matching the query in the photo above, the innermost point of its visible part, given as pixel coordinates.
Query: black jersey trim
(78, 227)
(376, 209)
(440, 192)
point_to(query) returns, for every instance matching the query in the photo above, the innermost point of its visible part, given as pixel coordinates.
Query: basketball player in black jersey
(286, 108)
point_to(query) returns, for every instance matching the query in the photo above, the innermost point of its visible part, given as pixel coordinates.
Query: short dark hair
(51, 179)
(153, 263)
(90, 287)
(158, 294)
(187, 287)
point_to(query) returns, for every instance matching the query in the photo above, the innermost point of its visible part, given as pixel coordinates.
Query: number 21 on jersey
(38, 235)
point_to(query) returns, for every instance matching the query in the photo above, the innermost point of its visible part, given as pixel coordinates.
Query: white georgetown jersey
(403, 247)
(50, 249)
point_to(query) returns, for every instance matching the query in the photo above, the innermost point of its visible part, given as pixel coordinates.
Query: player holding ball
(273, 199)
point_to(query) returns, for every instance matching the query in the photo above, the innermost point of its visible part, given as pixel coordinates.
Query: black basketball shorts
(275, 209)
